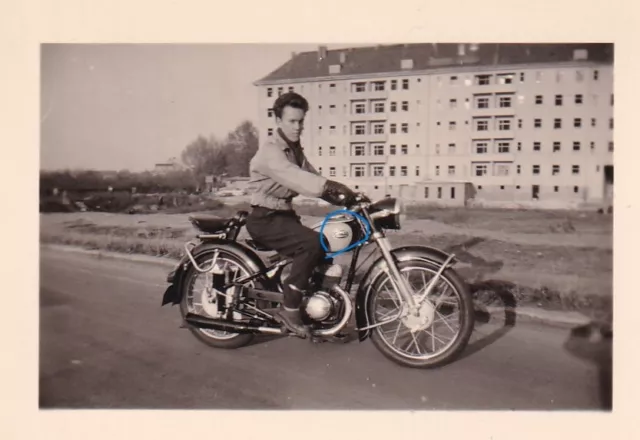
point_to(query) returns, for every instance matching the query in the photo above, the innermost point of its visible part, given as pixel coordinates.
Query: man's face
(291, 123)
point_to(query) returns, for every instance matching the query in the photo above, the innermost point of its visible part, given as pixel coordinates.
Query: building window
(453, 192)
(576, 189)
(269, 92)
(538, 99)
(519, 146)
(359, 129)
(392, 150)
(521, 77)
(576, 146)
(480, 169)
(556, 147)
(611, 101)
(611, 123)
(269, 113)
(593, 122)
(279, 91)
(405, 128)
(575, 169)
(332, 151)
(405, 106)
(332, 88)
(577, 123)
(392, 171)
(404, 150)
(481, 147)
(504, 124)
(536, 146)
(319, 151)
(378, 128)
(504, 101)
(558, 100)
(332, 130)
(536, 169)
(332, 172)
(426, 192)
(344, 172)
(556, 189)
(359, 108)
(439, 192)
(394, 84)
(403, 171)
(378, 107)
(482, 124)
(579, 99)
(482, 80)
(482, 101)
(270, 132)
(358, 150)
(378, 86)
(519, 123)
(437, 170)
(537, 123)
(592, 145)
(393, 128)
(359, 87)
(378, 150)
(332, 109)
(453, 103)
(555, 170)
(452, 125)
(503, 146)
(358, 171)
(452, 148)
(518, 169)
(451, 170)
(405, 84)
(505, 78)
(611, 146)
(320, 170)
(417, 171)
(378, 170)
(596, 75)
(502, 169)
(557, 123)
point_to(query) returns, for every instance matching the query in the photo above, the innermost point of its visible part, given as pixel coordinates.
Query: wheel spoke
(445, 321)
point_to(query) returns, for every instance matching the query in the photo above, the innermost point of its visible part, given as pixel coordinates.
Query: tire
(207, 336)
(467, 319)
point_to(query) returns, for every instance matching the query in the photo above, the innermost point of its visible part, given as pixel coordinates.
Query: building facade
(450, 123)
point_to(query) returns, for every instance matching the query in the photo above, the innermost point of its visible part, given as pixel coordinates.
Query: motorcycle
(227, 293)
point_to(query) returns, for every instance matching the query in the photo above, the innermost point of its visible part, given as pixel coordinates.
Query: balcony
(369, 116)
(368, 137)
(494, 134)
(493, 111)
(370, 94)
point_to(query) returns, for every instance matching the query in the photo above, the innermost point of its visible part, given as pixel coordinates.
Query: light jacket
(276, 176)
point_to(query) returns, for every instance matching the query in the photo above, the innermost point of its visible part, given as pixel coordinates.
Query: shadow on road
(490, 297)
(593, 343)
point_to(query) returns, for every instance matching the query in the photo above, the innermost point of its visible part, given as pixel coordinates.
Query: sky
(113, 107)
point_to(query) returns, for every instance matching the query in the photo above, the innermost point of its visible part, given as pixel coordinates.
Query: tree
(204, 157)
(239, 147)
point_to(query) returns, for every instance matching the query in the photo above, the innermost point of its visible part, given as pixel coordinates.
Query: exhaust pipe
(215, 324)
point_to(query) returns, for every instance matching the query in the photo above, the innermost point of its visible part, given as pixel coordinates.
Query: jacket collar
(285, 143)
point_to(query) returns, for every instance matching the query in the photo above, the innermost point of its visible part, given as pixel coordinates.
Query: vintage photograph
(420, 226)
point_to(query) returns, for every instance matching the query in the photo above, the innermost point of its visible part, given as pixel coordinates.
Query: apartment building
(449, 122)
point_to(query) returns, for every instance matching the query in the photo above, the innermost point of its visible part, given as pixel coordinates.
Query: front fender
(176, 278)
(400, 254)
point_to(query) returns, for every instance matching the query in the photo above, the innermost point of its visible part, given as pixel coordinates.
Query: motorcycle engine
(319, 306)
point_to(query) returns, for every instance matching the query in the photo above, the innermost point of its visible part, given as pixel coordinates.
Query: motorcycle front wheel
(408, 342)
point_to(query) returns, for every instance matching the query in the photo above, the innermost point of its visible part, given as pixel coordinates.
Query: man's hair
(290, 99)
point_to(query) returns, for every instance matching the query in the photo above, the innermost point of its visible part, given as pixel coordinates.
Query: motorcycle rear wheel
(213, 338)
(386, 337)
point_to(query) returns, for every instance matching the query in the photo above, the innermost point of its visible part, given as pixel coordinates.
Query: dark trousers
(283, 232)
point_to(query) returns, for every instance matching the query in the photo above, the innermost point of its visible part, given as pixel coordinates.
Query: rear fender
(176, 278)
(400, 254)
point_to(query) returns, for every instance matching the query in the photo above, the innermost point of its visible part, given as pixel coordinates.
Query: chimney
(322, 52)
(343, 57)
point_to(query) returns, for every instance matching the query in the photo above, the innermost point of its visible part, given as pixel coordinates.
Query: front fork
(416, 306)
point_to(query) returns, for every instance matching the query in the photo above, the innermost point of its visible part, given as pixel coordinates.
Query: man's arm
(274, 163)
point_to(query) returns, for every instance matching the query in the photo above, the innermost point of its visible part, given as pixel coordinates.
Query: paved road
(105, 342)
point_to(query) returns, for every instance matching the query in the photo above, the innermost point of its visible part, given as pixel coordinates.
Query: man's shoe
(291, 319)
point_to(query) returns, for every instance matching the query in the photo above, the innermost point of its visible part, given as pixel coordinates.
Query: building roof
(387, 58)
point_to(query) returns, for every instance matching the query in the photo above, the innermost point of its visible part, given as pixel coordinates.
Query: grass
(562, 275)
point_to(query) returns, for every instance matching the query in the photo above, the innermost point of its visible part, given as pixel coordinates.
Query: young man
(279, 172)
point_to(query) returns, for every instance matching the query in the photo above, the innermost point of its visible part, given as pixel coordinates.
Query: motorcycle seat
(209, 223)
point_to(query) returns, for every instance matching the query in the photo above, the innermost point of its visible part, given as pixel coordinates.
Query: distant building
(448, 122)
(169, 166)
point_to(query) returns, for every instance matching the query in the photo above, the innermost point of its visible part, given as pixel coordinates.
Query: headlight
(386, 213)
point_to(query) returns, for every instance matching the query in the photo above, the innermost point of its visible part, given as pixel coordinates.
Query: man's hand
(338, 194)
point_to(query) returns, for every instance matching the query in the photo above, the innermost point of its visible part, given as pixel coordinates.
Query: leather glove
(338, 194)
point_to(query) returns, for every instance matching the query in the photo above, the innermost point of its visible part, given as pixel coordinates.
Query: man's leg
(285, 234)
